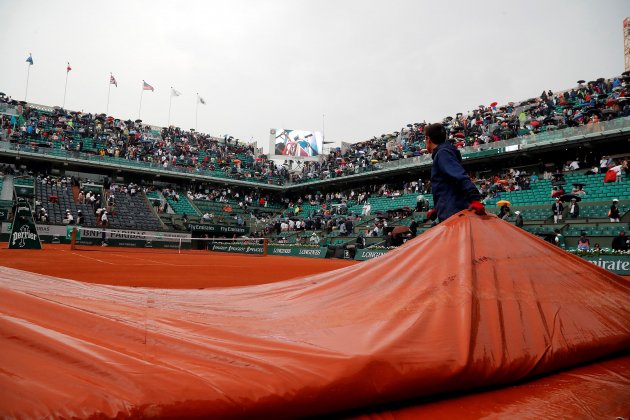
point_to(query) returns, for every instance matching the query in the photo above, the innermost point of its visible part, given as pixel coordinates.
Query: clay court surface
(163, 268)
(138, 267)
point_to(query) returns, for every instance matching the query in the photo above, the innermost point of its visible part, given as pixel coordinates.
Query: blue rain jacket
(450, 184)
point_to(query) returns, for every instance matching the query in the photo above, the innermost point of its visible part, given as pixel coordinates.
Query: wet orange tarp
(472, 303)
(599, 390)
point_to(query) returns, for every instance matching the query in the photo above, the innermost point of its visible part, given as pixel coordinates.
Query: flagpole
(140, 108)
(64, 90)
(28, 73)
(196, 111)
(108, 92)
(170, 101)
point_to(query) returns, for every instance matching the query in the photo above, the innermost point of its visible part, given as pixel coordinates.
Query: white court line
(214, 265)
(144, 259)
(91, 258)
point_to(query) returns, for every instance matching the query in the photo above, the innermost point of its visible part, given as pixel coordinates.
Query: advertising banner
(62, 234)
(368, 254)
(237, 248)
(293, 251)
(616, 264)
(218, 229)
(23, 232)
(296, 251)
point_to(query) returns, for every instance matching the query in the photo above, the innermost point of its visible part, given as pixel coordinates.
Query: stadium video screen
(296, 143)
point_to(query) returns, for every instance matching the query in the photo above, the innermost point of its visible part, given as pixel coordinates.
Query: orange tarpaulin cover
(599, 390)
(473, 302)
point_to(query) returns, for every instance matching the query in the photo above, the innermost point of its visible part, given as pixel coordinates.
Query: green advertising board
(239, 248)
(4, 214)
(218, 229)
(24, 191)
(368, 254)
(93, 188)
(257, 249)
(296, 251)
(617, 264)
(23, 231)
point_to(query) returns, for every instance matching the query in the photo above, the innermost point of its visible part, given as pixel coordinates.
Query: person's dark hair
(436, 132)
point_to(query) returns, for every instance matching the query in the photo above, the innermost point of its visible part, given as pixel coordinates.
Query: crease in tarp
(473, 302)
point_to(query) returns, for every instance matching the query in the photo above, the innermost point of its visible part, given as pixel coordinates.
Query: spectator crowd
(587, 104)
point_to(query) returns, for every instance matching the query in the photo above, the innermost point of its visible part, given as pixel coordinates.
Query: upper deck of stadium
(594, 110)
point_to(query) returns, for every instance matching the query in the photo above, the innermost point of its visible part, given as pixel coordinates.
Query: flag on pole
(146, 86)
(201, 101)
(175, 92)
(29, 60)
(112, 80)
(68, 68)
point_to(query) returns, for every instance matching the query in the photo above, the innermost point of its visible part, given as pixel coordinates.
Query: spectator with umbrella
(578, 189)
(504, 212)
(557, 192)
(400, 234)
(574, 208)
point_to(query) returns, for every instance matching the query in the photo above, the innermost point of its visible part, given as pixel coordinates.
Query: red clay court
(139, 267)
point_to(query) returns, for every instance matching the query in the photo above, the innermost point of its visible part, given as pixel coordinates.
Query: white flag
(175, 92)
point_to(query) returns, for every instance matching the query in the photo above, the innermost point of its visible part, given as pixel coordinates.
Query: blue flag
(29, 60)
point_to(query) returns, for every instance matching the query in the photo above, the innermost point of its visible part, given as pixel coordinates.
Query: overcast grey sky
(370, 66)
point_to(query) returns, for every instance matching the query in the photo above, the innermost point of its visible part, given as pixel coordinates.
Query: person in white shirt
(366, 209)
(618, 172)
(104, 219)
(68, 219)
(342, 229)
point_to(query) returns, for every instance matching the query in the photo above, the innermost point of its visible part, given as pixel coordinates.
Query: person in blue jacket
(451, 186)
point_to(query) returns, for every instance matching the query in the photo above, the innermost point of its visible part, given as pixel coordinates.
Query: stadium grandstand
(124, 174)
